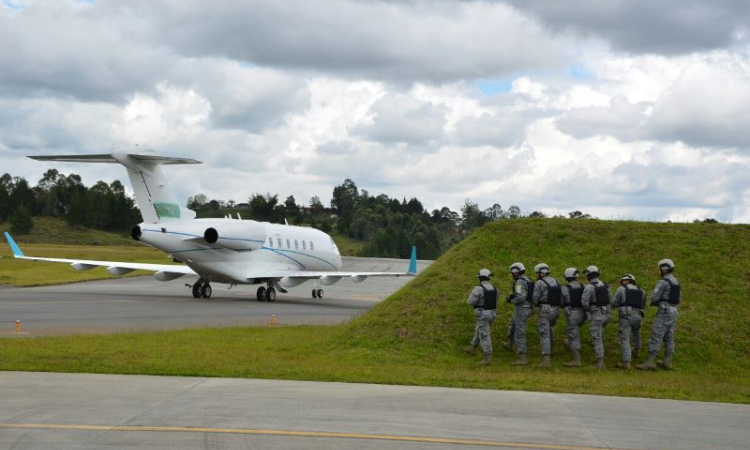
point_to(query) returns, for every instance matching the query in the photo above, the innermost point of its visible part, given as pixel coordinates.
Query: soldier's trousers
(482, 334)
(518, 323)
(575, 320)
(547, 320)
(663, 330)
(599, 319)
(629, 324)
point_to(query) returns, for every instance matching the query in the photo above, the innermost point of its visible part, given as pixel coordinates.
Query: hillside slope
(712, 334)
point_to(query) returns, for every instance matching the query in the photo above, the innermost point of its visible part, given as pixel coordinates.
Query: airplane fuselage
(226, 250)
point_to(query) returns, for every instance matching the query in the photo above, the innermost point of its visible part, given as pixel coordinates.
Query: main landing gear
(266, 294)
(317, 293)
(201, 289)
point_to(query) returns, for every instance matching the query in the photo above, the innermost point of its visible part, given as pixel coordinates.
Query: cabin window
(288, 245)
(296, 245)
(278, 240)
(312, 247)
(304, 245)
(270, 242)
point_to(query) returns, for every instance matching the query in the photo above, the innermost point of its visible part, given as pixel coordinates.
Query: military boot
(666, 363)
(470, 350)
(576, 361)
(600, 364)
(486, 360)
(546, 361)
(521, 361)
(508, 345)
(650, 364)
(625, 365)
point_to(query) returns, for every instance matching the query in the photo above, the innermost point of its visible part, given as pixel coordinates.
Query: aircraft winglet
(13, 246)
(412, 262)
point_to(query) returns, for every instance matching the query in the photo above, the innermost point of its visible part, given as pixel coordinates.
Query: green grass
(50, 230)
(416, 335)
(348, 246)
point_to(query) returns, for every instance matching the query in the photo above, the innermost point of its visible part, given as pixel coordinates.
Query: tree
(195, 203)
(316, 206)
(471, 216)
(262, 206)
(537, 214)
(20, 221)
(578, 215)
(514, 212)
(5, 206)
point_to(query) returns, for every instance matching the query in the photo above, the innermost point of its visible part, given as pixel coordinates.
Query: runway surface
(143, 303)
(84, 411)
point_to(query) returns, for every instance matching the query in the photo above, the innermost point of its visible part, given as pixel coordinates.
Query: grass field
(415, 337)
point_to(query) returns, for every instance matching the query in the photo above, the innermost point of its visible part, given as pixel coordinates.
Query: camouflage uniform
(485, 317)
(548, 310)
(522, 310)
(630, 318)
(575, 316)
(666, 318)
(598, 315)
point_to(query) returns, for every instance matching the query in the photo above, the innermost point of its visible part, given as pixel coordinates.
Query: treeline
(387, 226)
(104, 206)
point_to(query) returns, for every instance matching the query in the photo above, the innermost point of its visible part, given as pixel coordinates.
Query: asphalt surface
(84, 411)
(143, 303)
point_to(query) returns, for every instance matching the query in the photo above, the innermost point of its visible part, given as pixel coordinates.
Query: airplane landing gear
(266, 293)
(201, 289)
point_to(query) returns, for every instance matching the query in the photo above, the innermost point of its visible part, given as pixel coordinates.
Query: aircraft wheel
(320, 293)
(260, 295)
(271, 294)
(315, 293)
(196, 290)
(206, 291)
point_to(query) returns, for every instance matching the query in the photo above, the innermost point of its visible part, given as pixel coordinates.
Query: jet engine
(240, 236)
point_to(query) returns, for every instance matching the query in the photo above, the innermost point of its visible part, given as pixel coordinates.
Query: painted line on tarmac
(287, 433)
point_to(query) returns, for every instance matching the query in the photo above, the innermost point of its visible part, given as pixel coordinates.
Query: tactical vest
(674, 293)
(635, 298)
(576, 293)
(602, 294)
(554, 296)
(529, 289)
(490, 298)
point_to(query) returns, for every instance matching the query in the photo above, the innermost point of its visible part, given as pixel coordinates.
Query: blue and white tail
(155, 200)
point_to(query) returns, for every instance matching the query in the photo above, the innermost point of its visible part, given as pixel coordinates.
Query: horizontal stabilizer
(108, 158)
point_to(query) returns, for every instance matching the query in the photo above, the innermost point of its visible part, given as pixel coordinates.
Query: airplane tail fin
(413, 261)
(155, 199)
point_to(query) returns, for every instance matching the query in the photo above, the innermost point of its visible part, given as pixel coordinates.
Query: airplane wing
(162, 272)
(294, 278)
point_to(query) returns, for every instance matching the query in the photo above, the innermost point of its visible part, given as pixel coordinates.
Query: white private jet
(229, 250)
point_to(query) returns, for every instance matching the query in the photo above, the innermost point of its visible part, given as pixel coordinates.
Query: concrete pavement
(81, 411)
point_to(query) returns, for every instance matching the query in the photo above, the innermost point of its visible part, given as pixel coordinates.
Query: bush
(20, 221)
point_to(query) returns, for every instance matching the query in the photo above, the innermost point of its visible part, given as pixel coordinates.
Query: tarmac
(143, 303)
(85, 411)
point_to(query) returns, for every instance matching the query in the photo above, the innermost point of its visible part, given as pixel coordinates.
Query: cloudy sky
(620, 108)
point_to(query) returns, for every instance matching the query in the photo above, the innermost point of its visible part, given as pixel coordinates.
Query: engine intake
(136, 233)
(211, 235)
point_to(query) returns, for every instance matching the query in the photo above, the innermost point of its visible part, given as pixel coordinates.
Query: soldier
(574, 313)
(484, 300)
(630, 300)
(548, 297)
(666, 297)
(596, 301)
(523, 308)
